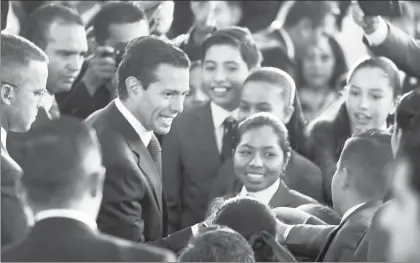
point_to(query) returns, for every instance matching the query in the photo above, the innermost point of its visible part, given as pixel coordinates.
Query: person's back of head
(37, 25)
(218, 244)
(63, 167)
(248, 217)
(361, 170)
(119, 13)
(23, 70)
(407, 121)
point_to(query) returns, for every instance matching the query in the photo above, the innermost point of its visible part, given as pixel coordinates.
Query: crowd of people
(209, 131)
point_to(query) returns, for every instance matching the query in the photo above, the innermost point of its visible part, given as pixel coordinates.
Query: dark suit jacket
(309, 240)
(190, 163)
(133, 205)
(301, 175)
(284, 197)
(375, 243)
(68, 240)
(402, 49)
(14, 224)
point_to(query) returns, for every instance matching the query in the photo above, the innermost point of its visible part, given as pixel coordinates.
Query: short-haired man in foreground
(63, 184)
(358, 187)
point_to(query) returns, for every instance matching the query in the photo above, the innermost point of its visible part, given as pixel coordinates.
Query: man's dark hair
(407, 118)
(36, 26)
(4, 12)
(238, 37)
(143, 56)
(248, 217)
(315, 11)
(115, 13)
(367, 155)
(57, 162)
(220, 244)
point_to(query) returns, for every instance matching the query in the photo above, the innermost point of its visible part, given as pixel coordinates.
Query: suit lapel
(282, 197)
(207, 136)
(147, 166)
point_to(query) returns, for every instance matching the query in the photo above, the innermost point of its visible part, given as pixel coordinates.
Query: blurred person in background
(319, 72)
(59, 31)
(116, 24)
(197, 95)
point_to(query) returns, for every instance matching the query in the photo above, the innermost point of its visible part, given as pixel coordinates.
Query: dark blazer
(14, 224)
(326, 138)
(67, 240)
(133, 205)
(310, 241)
(375, 243)
(190, 161)
(402, 49)
(301, 175)
(284, 196)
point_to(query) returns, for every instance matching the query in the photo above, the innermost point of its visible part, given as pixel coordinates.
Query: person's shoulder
(302, 199)
(189, 116)
(138, 251)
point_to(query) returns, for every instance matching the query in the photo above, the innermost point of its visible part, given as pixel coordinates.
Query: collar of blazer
(145, 161)
(280, 199)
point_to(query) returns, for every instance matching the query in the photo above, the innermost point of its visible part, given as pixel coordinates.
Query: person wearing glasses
(20, 100)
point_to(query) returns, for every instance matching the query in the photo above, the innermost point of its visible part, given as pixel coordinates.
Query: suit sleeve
(176, 241)
(121, 209)
(14, 223)
(172, 178)
(402, 49)
(308, 240)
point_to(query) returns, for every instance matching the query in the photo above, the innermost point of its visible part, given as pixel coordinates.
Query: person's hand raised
(369, 24)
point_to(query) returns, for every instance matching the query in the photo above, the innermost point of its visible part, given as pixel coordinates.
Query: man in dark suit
(272, 90)
(5, 6)
(152, 82)
(116, 24)
(63, 185)
(384, 39)
(358, 187)
(202, 138)
(20, 99)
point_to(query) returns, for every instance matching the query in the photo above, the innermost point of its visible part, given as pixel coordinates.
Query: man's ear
(288, 112)
(305, 27)
(346, 178)
(134, 86)
(7, 94)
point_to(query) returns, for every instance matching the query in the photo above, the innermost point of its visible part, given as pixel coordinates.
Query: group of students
(232, 179)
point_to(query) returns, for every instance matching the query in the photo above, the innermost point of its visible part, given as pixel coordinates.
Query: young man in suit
(20, 99)
(273, 90)
(201, 138)
(358, 187)
(63, 185)
(153, 80)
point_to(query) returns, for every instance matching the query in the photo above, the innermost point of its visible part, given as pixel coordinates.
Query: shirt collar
(265, 195)
(3, 137)
(145, 135)
(219, 114)
(350, 211)
(67, 213)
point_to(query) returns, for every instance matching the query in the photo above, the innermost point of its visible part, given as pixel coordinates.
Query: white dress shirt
(67, 213)
(264, 196)
(3, 136)
(379, 36)
(219, 116)
(145, 135)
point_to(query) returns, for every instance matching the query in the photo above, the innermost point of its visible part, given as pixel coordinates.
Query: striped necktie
(155, 151)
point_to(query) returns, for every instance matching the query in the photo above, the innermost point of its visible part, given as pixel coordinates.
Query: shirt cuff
(286, 233)
(194, 229)
(379, 36)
